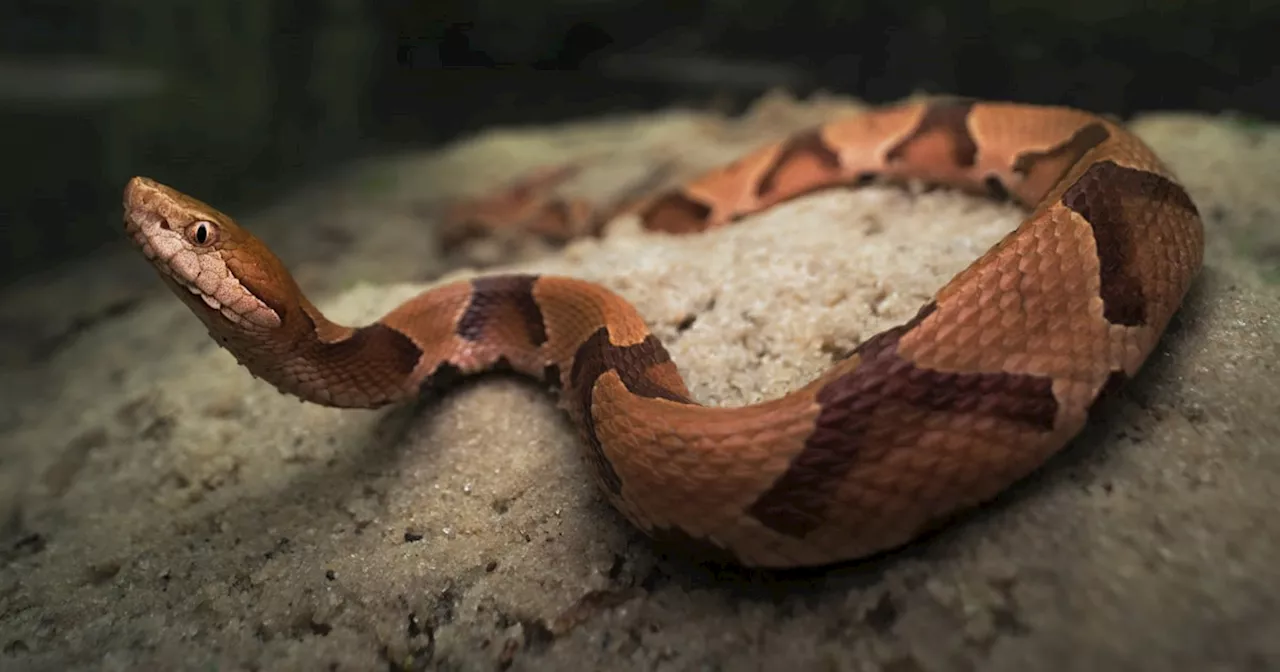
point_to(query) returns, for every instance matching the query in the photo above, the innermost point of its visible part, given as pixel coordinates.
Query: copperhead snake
(926, 419)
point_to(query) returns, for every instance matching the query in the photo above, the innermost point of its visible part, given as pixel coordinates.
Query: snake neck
(322, 362)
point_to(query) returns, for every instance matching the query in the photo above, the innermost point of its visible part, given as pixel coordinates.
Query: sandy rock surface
(163, 510)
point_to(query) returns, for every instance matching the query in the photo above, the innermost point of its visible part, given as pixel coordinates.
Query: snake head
(224, 274)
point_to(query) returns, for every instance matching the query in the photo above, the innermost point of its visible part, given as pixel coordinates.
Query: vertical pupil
(201, 234)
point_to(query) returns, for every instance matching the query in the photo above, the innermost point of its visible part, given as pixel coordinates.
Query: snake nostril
(164, 224)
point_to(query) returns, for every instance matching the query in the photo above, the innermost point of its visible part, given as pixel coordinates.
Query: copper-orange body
(993, 375)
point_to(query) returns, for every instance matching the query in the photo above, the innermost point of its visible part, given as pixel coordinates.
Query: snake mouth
(147, 228)
(179, 283)
(200, 276)
(198, 298)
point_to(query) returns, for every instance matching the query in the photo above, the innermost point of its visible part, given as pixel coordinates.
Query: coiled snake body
(992, 376)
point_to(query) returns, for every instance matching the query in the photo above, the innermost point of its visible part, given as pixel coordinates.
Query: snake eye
(202, 233)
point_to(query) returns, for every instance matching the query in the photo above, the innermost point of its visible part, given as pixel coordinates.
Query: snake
(994, 374)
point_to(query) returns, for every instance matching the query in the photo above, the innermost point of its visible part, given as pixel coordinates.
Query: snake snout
(142, 200)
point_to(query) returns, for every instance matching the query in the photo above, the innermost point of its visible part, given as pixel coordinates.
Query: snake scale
(994, 374)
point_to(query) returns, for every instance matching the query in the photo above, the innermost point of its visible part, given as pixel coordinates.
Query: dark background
(236, 99)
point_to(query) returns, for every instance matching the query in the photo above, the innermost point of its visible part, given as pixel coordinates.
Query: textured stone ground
(162, 510)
